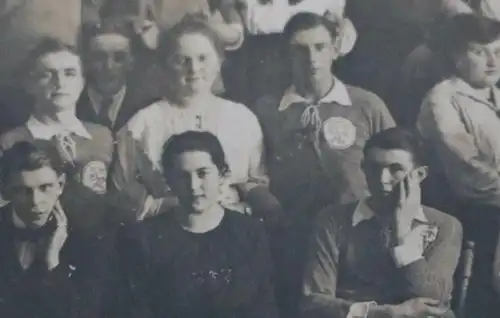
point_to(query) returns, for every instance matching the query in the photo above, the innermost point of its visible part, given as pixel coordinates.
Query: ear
(422, 173)
(62, 182)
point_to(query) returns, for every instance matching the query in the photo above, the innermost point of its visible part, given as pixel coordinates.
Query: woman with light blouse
(191, 54)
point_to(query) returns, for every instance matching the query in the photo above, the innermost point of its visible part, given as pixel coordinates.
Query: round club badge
(94, 176)
(340, 132)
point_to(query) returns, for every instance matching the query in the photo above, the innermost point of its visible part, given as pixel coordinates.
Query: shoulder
(335, 217)
(233, 108)
(365, 99)
(447, 224)
(146, 117)
(268, 103)
(97, 130)
(443, 91)
(11, 137)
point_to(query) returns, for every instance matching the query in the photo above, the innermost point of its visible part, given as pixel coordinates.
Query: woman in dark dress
(201, 260)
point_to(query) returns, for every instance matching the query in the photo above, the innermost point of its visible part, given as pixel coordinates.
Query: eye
(202, 174)
(319, 46)
(120, 57)
(476, 51)
(202, 58)
(70, 72)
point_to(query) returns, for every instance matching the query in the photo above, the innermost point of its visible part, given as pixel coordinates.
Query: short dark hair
(456, 32)
(111, 25)
(27, 156)
(193, 141)
(190, 23)
(398, 138)
(307, 20)
(46, 46)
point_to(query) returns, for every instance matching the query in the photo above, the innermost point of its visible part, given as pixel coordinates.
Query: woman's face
(479, 64)
(195, 65)
(196, 181)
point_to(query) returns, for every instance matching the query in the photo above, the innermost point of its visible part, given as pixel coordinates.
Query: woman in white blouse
(191, 54)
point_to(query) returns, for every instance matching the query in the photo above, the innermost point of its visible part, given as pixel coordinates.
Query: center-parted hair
(190, 24)
(193, 141)
(27, 156)
(398, 138)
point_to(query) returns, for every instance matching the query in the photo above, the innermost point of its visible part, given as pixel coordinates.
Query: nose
(57, 80)
(491, 59)
(195, 183)
(193, 66)
(37, 198)
(386, 179)
(109, 63)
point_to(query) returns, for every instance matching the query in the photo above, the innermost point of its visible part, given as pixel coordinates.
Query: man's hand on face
(58, 238)
(407, 196)
(419, 307)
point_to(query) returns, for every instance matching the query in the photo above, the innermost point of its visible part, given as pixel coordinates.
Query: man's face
(34, 195)
(312, 53)
(384, 169)
(56, 82)
(109, 61)
(479, 64)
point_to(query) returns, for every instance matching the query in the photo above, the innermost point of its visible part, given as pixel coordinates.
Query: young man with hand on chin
(45, 268)
(386, 255)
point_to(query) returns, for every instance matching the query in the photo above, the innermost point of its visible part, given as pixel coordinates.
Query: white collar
(363, 212)
(337, 94)
(67, 123)
(464, 88)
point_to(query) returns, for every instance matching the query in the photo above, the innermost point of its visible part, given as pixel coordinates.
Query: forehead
(389, 156)
(34, 178)
(317, 34)
(193, 160)
(190, 43)
(58, 61)
(494, 45)
(109, 42)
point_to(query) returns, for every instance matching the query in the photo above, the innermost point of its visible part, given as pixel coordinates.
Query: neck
(52, 118)
(192, 101)
(106, 93)
(205, 221)
(315, 88)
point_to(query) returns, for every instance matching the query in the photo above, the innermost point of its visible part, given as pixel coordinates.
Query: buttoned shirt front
(462, 127)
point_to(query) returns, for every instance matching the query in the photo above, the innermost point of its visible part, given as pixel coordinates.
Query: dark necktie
(103, 115)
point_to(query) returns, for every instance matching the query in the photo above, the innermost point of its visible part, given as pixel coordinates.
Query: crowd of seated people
(139, 187)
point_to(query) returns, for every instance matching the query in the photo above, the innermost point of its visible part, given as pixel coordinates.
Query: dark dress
(223, 273)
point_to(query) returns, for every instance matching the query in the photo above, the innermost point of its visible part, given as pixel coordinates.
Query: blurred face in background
(312, 54)
(479, 64)
(109, 62)
(195, 65)
(56, 82)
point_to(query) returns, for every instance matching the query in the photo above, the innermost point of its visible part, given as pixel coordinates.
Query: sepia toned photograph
(249, 158)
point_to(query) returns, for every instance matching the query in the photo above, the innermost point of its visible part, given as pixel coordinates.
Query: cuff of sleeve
(360, 310)
(406, 254)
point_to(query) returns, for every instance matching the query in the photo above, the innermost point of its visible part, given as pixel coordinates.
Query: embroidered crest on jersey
(340, 132)
(94, 176)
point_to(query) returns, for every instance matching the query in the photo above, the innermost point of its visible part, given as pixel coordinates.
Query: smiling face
(56, 82)
(479, 64)
(34, 195)
(195, 64)
(312, 53)
(196, 181)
